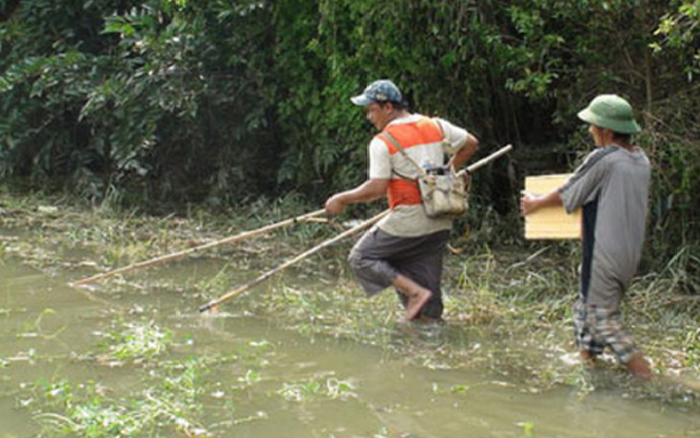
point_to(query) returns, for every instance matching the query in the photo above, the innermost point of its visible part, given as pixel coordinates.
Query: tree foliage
(151, 101)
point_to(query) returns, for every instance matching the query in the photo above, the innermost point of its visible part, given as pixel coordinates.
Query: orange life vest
(424, 131)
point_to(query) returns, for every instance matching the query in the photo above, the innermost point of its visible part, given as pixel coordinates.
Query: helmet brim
(619, 126)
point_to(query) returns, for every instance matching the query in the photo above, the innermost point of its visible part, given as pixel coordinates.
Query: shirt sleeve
(584, 185)
(379, 160)
(455, 137)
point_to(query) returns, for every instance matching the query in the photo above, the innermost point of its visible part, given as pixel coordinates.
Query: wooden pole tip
(208, 306)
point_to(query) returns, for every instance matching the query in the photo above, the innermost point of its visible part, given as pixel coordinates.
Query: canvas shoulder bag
(443, 192)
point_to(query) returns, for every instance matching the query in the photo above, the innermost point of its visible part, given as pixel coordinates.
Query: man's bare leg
(417, 295)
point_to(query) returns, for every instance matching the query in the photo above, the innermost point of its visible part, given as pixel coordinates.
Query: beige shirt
(411, 220)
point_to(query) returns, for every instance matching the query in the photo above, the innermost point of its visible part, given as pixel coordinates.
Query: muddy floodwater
(256, 378)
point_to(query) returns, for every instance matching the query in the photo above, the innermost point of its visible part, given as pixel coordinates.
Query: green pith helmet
(612, 112)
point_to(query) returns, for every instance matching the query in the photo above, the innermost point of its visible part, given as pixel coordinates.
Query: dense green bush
(177, 101)
(158, 100)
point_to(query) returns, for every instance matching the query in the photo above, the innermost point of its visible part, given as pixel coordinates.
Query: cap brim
(361, 100)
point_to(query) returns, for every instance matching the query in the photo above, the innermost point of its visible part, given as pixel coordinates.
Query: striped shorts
(596, 328)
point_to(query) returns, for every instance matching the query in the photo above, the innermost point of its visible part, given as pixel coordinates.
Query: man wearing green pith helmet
(612, 188)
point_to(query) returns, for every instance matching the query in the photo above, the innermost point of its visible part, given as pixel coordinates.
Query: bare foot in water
(639, 366)
(416, 301)
(426, 320)
(416, 295)
(588, 358)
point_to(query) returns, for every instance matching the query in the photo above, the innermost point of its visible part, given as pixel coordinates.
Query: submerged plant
(35, 329)
(138, 342)
(171, 406)
(331, 388)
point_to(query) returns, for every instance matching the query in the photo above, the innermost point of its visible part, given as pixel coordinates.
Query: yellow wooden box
(550, 222)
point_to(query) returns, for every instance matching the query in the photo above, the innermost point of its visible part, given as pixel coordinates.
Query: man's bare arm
(368, 191)
(530, 203)
(467, 151)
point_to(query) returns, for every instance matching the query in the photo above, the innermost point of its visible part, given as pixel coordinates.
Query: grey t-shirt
(612, 186)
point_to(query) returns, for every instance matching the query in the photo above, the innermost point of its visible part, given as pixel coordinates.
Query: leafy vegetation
(88, 411)
(155, 102)
(137, 342)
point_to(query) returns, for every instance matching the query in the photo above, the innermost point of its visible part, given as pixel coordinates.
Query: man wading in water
(612, 186)
(405, 248)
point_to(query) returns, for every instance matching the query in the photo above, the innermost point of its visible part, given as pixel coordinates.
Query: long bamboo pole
(179, 254)
(215, 303)
(486, 160)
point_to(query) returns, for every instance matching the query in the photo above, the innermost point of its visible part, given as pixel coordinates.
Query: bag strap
(401, 149)
(453, 171)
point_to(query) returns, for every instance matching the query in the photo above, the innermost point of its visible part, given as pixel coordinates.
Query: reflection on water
(278, 383)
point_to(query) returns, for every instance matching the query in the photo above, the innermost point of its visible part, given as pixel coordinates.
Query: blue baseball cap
(382, 90)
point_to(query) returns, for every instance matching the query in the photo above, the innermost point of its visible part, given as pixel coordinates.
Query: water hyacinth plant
(137, 342)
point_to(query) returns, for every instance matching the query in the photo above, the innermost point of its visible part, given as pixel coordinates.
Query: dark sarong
(378, 257)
